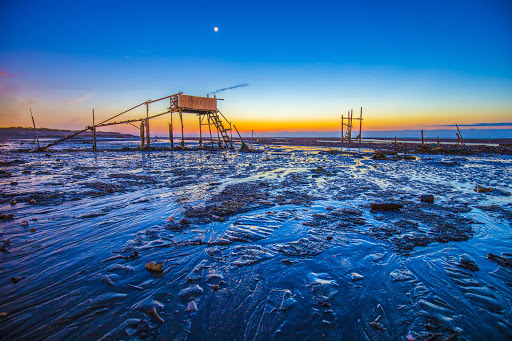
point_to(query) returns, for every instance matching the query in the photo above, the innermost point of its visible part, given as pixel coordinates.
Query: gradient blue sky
(409, 64)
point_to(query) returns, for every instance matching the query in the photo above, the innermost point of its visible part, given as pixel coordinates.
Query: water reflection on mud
(275, 245)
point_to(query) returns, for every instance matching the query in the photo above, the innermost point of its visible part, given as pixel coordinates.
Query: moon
(216, 29)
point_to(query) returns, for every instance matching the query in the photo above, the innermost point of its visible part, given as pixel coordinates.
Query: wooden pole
(172, 134)
(422, 140)
(142, 134)
(210, 129)
(460, 135)
(395, 143)
(252, 137)
(93, 132)
(360, 125)
(438, 142)
(341, 128)
(350, 129)
(218, 137)
(200, 133)
(182, 138)
(35, 129)
(147, 125)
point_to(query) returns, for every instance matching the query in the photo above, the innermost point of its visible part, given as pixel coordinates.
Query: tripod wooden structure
(347, 135)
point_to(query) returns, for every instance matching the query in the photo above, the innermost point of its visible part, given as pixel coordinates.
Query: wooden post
(35, 129)
(460, 135)
(200, 133)
(422, 140)
(93, 132)
(395, 143)
(438, 142)
(360, 125)
(147, 125)
(341, 128)
(350, 129)
(182, 138)
(142, 134)
(218, 137)
(252, 137)
(171, 133)
(210, 129)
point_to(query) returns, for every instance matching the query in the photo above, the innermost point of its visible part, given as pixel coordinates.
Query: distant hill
(28, 133)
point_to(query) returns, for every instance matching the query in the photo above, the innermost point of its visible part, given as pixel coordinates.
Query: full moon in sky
(216, 29)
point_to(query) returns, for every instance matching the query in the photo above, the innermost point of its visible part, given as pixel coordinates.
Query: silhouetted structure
(204, 107)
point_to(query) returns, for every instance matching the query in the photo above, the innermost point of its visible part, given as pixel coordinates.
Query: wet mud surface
(274, 245)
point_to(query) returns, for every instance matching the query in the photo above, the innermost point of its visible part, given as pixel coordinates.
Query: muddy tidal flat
(278, 245)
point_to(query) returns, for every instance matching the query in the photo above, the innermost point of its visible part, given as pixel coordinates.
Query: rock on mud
(427, 198)
(155, 267)
(191, 292)
(385, 206)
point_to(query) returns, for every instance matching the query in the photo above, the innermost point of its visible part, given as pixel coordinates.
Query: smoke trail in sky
(229, 88)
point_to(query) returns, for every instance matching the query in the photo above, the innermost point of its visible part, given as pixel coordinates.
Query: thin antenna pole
(35, 129)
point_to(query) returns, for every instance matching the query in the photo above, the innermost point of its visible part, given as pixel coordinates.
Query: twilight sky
(409, 64)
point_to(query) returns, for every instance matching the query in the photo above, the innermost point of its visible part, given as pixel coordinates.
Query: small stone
(14, 183)
(155, 267)
(215, 287)
(16, 279)
(33, 201)
(171, 219)
(3, 314)
(191, 307)
(57, 160)
(427, 198)
(12, 202)
(329, 237)
(356, 277)
(24, 223)
(326, 322)
(32, 229)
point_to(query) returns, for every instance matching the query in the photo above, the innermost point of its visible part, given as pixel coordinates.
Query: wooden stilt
(350, 128)
(210, 129)
(361, 125)
(422, 140)
(35, 129)
(218, 137)
(171, 132)
(93, 132)
(147, 125)
(460, 135)
(395, 143)
(142, 134)
(438, 145)
(200, 131)
(341, 128)
(182, 138)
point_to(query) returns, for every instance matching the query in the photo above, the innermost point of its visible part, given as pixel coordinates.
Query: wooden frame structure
(204, 107)
(349, 124)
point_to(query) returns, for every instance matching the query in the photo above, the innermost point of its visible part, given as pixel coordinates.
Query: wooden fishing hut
(204, 107)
